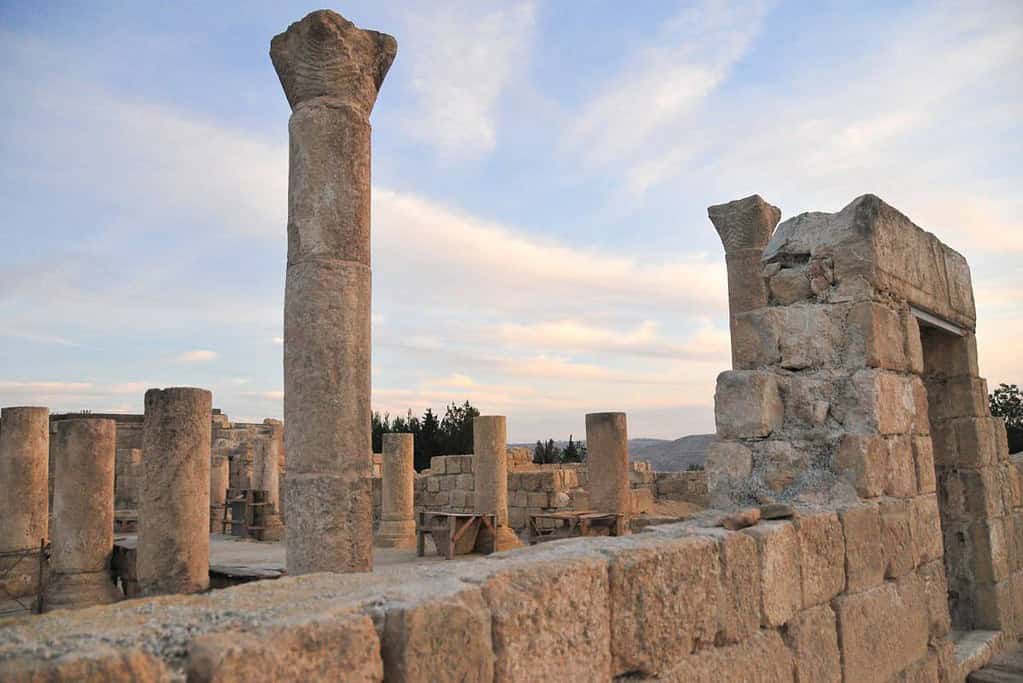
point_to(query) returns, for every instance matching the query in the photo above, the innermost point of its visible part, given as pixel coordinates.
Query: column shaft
(607, 462)
(490, 473)
(397, 509)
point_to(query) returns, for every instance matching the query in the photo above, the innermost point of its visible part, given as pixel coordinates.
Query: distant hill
(673, 456)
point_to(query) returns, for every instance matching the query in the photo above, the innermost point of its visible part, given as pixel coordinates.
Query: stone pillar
(607, 462)
(745, 228)
(220, 479)
(397, 506)
(174, 499)
(24, 493)
(127, 471)
(490, 474)
(83, 515)
(330, 71)
(266, 470)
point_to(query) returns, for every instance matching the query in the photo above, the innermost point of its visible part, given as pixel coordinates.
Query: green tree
(571, 452)
(539, 452)
(1007, 402)
(456, 428)
(428, 440)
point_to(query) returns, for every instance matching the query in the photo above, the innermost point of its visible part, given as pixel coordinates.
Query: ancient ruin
(859, 517)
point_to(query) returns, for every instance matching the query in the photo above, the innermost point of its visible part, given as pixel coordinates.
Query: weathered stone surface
(24, 471)
(397, 509)
(877, 401)
(861, 458)
(822, 557)
(762, 658)
(334, 645)
(83, 514)
(727, 463)
(879, 634)
(551, 621)
(741, 519)
(103, 664)
(901, 467)
(756, 339)
(975, 441)
(777, 511)
(925, 526)
(810, 336)
(744, 223)
(747, 404)
(173, 539)
(864, 554)
(812, 637)
(337, 512)
(607, 462)
(900, 553)
(780, 577)
(437, 640)
(790, 285)
(653, 623)
(923, 459)
(935, 593)
(914, 349)
(780, 464)
(739, 595)
(875, 337)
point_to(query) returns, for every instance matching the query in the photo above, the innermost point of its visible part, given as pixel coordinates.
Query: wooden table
(576, 523)
(453, 526)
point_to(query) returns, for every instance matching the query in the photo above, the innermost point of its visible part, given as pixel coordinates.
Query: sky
(541, 172)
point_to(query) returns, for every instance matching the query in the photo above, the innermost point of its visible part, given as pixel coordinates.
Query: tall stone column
(220, 479)
(607, 462)
(745, 227)
(331, 72)
(174, 500)
(24, 494)
(490, 474)
(83, 515)
(397, 508)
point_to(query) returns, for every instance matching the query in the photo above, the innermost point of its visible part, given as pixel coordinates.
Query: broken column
(220, 478)
(607, 462)
(24, 493)
(397, 512)
(745, 227)
(83, 515)
(331, 72)
(174, 500)
(490, 472)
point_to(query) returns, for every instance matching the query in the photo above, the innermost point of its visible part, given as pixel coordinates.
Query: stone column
(397, 505)
(220, 479)
(330, 71)
(83, 515)
(174, 499)
(490, 474)
(24, 494)
(607, 462)
(745, 227)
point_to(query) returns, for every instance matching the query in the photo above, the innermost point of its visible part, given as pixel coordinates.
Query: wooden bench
(575, 523)
(453, 533)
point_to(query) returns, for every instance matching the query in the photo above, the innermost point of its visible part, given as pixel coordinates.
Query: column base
(75, 591)
(396, 534)
(505, 539)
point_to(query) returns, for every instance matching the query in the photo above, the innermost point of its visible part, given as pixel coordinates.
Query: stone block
(935, 590)
(982, 495)
(900, 554)
(314, 649)
(458, 499)
(780, 464)
(790, 285)
(975, 441)
(994, 605)
(923, 460)
(914, 348)
(727, 462)
(901, 468)
(943, 442)
(921, 414)
(951, 397)
(447, 482)
(433, 484)
(811, 336)
(812, 637)
(861, 459)
(780, 578)
(453, 464)
(102, 664)
(822, 557)
(875, 337)
(1001, 440)
(763, 655)
(864, 552)
(413, 651)
(664, 596)
(438, 464)
(642, 501)
(518, 498)
(925, 526)
(990, 550)
(877, 400)
(755, 339)
(551, 620)
(924, 671)
(537, 499)
(517, 517)
(466, 482)
(879, 635)
(739, 599)
(747, 404)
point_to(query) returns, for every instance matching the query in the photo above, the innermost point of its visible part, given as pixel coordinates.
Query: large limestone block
(975, 441)
(444, 638)
(879, 634)
(328, 647)
(900, 551)
(747, 404)
(727, 463)
(925, 526)
(812, 637)
(739, 597)
(551, 621)
(102, 664)
(780, 576)
(877, 401)
(762, 658)
(810, 336)
(664, 602)
(923, 459)
(822, 557)
(864, 552)
(862, 460)
(330, 522)
(935, 594)
(875, 337)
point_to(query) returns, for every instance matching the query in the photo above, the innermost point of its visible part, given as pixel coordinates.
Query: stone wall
(804, 600)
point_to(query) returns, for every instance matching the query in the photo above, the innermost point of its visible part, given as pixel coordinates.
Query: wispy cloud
(462, 57)
(196, 356)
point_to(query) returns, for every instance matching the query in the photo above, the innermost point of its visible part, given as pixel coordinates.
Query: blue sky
(541, 177)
